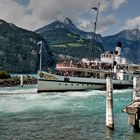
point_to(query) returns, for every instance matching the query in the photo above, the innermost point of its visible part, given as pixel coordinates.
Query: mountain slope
(64, 37)
(18, 49)
(131, 44)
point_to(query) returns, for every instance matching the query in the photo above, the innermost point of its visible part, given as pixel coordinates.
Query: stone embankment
(16, 81)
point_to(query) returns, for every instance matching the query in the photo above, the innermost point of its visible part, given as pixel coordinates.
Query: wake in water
(21, 99)
(32, 89)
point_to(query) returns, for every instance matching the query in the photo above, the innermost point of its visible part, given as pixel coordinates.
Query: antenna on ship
(94, 33)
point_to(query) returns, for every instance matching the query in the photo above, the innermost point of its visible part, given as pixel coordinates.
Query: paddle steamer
(82, 75)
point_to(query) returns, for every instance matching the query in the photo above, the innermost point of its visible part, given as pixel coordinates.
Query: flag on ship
(95, 8)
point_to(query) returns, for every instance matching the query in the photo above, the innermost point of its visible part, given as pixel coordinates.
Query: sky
(114, 15)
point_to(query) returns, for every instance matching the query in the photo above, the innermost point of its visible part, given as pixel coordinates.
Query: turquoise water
(26, 115)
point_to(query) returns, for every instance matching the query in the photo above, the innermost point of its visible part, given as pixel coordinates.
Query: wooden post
(21, 80)
(136, 89)
(109, 104)
(136, 98)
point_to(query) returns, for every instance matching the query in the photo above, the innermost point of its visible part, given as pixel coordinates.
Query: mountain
(18, 49)
(64, 37)
(19, 52)
(130, 44)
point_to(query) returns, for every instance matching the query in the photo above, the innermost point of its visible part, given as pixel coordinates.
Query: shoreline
(15, 81)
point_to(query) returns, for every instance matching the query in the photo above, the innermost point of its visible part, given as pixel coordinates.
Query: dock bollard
(109, 104)
(21, 80)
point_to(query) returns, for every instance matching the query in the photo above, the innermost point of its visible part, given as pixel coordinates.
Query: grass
(67, 45)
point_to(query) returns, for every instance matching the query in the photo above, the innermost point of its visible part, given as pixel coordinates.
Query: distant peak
(131, 30)
(68, 21)
(57, 22)
(136, 30)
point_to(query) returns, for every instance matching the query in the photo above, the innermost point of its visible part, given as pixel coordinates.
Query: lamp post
(40, 44)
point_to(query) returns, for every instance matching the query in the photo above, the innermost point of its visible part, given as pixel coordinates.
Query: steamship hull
(52, 83)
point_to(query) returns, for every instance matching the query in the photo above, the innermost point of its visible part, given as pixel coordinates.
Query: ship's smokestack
(118, 49)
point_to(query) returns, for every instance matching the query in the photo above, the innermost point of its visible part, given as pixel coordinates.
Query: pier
(133, 109)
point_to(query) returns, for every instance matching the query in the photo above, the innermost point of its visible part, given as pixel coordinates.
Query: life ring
(41, 75)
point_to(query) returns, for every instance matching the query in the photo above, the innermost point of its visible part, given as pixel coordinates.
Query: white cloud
(107, 22)
(85, 24)
(10, 10)
(132, 23)
(103, 25)
(117, 3)
(41, 12)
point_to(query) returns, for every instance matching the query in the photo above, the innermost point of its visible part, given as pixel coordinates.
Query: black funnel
(119, 44)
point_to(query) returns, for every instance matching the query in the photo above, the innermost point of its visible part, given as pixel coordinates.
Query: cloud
(50, 10)
(33, 14)
(107, 22)
(117, 3)
(104, 24)
(11, 11)
(85, 24)
(132, 23)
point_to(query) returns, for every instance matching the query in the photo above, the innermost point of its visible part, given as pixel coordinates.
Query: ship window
(59, 84)
(72, 84)
(77, 84)
(82, 84)
(126, 77)
(65, 84)
(66, 79)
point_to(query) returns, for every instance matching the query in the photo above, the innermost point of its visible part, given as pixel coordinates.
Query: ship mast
(94, 33)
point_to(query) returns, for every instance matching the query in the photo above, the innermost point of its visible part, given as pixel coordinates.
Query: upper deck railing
(84, 67)
(106, 67)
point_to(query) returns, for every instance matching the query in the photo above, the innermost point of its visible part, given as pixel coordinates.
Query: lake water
(26, 115)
